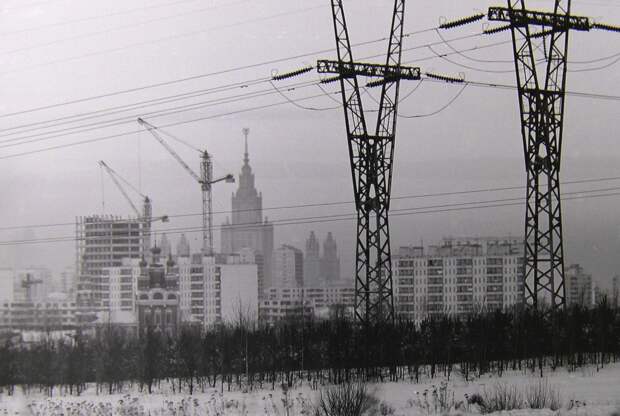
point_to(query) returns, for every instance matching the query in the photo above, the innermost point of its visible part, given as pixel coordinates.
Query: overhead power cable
(348, 202)
(268, 62)
(155, 41)
(130, 119)
(177, 97)
(193, 77)
(118, 28)
(331, 218)
(440, 109)
(70, 119)
(96, 17)
(124, 134)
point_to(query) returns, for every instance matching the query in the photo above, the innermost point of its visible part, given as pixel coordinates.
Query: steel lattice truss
(371, 158)
(540, 43)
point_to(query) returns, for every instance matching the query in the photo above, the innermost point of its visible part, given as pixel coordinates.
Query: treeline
(249, 355)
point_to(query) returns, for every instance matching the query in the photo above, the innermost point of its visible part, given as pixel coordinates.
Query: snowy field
(586, 392)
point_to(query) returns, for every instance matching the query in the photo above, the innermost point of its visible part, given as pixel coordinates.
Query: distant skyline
(299, 156)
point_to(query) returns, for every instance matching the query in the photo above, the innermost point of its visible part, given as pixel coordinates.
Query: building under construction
(102, 242)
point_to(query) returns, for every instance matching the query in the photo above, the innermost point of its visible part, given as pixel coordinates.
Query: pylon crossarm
(351, 69)
(520, 17)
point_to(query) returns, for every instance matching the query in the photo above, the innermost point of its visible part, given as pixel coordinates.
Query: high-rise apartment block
(215, 289)
(103, 242)
(578, 285)
(458, 276)
(288, 267)
(7, 289)
(304, 302)
(123, 285)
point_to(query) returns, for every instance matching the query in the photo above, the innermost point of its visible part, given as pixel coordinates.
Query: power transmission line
(130, 119)
(205, 75)
(124, 134)
(336, 203)
(191, 78)
(118, 28)
(177, 97)
(340, 217)
(96, 17)
(153, 41)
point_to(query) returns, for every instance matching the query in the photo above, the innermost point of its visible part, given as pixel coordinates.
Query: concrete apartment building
(313, 301)
(103, 242)
(578, 286)
(288, 267)
(7, 285)
(215, 289)
(123, 284)
(211, 289)
(458, 276)
(38, 316)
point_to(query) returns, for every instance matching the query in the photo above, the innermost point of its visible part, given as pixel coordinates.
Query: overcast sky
(57, 51)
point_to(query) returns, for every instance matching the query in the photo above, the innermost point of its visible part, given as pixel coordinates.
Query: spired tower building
(247, 228)
(330, 262)
(312, 265)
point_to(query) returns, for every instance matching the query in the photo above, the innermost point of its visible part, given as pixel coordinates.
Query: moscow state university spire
(247, 229)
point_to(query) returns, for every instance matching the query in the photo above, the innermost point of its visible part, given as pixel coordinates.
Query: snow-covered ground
(597, 393)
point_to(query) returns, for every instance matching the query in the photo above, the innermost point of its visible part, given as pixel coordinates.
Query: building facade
(7, 289)
(103, 242)
(38, 316)
(123, 286)
(578, 285)
(248, 229)
(288, 267)
(216, 289)
(307, 302)
(157, 297)
(458, 276)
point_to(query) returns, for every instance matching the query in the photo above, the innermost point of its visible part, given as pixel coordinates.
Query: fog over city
(309, 207)
(299, 155)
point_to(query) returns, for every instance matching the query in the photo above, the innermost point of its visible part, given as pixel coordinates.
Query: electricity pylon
(371, 157)
(540, 46)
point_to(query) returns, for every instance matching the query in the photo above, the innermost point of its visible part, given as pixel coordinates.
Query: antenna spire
(246, 156)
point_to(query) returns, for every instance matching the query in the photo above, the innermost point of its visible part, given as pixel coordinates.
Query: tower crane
(205, 180)
(146, 216)
(28, 283)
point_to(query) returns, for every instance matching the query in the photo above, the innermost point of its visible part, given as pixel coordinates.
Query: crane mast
(146, 216)
(205, 180)
(206, 174)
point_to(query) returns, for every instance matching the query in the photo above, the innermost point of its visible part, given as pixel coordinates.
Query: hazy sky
(56, 51)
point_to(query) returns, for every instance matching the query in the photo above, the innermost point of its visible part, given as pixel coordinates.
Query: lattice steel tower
(371, 157)
(540, 46)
